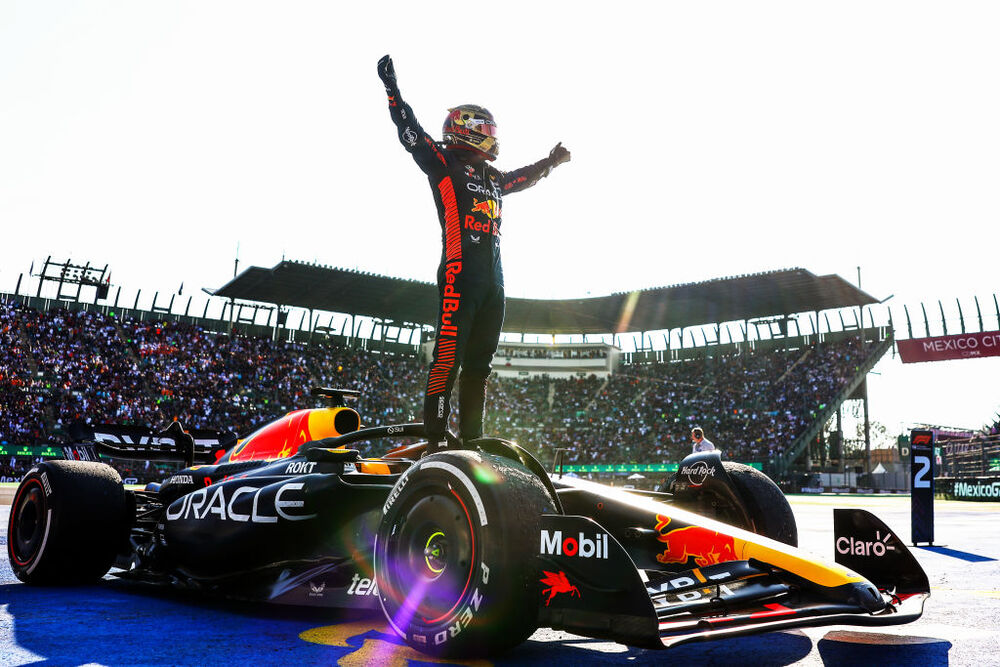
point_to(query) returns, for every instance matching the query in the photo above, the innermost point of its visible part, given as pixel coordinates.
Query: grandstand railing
(978, 456)
(784, 461)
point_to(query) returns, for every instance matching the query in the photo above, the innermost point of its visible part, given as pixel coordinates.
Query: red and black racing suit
(468, 193)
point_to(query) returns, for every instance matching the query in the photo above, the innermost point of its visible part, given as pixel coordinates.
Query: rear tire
(67, 523)
(765, 503)
(454, 554)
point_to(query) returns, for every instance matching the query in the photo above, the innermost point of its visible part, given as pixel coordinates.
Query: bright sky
(709, 139)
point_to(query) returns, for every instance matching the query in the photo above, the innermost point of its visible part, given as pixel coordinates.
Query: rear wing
(173, 444)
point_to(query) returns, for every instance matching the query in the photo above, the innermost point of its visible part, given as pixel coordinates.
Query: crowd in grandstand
(752, 405)
(59, 366)
(551, 353)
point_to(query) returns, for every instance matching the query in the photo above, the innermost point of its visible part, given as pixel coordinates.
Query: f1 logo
(922, 439)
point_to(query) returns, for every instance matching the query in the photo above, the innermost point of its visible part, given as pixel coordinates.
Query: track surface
(113, 623)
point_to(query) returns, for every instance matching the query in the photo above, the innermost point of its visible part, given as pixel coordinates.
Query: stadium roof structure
(747, 297)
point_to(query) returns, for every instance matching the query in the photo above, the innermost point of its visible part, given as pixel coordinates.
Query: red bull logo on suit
(487, 207)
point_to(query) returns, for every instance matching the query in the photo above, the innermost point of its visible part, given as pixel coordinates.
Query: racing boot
(471, 407)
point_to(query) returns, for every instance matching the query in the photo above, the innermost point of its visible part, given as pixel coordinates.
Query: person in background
(699, 443)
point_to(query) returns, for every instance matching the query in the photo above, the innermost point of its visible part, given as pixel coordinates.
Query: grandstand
(735, 358)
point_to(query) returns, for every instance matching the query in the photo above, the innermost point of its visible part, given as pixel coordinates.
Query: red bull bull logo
(279, 439)
(487, 207)
(707, 547)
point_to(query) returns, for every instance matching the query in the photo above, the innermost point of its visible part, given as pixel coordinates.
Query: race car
(466, 551)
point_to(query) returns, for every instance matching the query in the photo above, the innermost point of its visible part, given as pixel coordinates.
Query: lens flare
(486, 475)
(628, 309)
(409, 607)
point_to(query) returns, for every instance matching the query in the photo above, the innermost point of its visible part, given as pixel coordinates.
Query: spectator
(58, 366)
(699, 443)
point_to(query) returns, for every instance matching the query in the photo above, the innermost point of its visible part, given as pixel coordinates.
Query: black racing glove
(557, 155)
(387, 73)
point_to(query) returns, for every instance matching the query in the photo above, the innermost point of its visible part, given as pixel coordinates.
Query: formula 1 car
(466, 551)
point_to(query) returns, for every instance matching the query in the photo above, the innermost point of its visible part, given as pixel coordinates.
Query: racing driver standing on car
(468, 192)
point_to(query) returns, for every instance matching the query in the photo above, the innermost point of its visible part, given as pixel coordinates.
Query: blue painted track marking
(961, 555)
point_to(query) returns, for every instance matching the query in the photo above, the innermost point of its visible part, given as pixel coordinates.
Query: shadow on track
(961, 555)
(865, 648)
(117, 622)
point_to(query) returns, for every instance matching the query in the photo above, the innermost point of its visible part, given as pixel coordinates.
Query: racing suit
(468, 193)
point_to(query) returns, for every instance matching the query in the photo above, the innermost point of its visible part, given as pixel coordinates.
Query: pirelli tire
(765, 503)
(455, 554)
(67, 523)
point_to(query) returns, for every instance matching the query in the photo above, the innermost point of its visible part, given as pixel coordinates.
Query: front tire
(454, 554)
(67, 523)
(765, 504)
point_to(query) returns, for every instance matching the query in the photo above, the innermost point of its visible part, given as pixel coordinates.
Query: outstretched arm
(525, 177)
(413, 137)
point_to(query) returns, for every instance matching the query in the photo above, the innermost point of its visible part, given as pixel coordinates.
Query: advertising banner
(982, 489)
(621, 467)
(632, 467)
(25, 450)
(943, 348)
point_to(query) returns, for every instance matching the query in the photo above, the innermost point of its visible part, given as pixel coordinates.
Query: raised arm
(525, 177)
(415, 140)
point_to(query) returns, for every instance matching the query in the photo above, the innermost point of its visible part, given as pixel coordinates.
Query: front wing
(591, 586)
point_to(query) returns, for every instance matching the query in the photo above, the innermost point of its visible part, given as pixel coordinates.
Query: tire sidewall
(764, 502)
(85, 522)
(495, 609)
(25, 565)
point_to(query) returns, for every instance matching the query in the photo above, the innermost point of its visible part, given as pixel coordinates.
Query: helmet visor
(482, 126)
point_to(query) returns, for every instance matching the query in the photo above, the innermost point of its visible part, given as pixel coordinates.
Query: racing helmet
(472, 126)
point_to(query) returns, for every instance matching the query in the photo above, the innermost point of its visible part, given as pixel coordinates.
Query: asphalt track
(113, 623)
